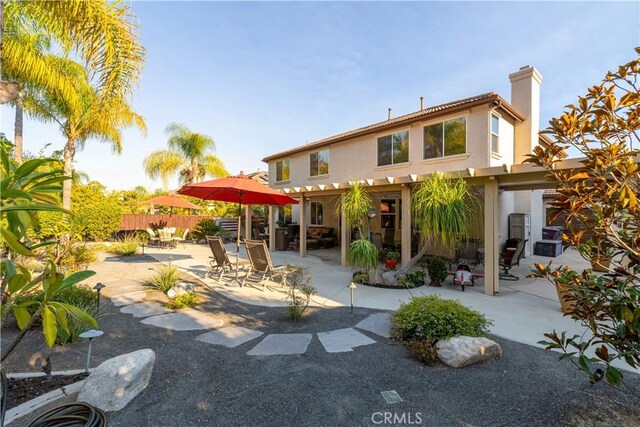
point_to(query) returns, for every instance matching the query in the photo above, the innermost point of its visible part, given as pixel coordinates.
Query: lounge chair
(183, 238)
(153, 239)
(511, 257)
(260, 262)
(220, 260)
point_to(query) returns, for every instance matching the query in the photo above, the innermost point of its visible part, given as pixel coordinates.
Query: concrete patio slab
(281, 344)
(185, 320)
(230, 337)
(124, 289)
(378, 323)
(129, 298)
(343, 340)
(145, 309)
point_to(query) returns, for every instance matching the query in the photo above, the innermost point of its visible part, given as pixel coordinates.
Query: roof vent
(421, 103)
(389, 114)
(524, 67)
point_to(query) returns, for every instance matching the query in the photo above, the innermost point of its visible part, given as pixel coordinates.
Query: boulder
(115, 382)
(181, 288)
(391, 277)
(461, 351)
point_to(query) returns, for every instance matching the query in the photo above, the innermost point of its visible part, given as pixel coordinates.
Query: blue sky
(263, 77)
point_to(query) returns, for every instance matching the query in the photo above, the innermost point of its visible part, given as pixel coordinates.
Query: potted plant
(391, 259)
(437, 269)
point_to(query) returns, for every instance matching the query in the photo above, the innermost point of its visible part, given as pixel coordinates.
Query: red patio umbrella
(172, 200)
(237, 189)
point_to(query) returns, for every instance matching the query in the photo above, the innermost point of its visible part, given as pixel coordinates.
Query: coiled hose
(71, 414)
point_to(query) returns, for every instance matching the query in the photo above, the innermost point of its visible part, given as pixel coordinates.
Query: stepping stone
(130, 298)
(342, 340)
(185, 320)
(278, 344)
(145, 309)
(230, 337)
(378, 323)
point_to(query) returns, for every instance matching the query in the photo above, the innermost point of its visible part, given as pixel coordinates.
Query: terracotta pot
(391, 264)
(563, 292)
(600, 264)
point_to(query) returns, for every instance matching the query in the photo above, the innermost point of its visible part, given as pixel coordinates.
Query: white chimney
(525, 96)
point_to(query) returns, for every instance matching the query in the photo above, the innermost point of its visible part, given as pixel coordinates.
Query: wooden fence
(142, 221)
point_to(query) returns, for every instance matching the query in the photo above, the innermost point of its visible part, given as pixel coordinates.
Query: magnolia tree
(599, 203)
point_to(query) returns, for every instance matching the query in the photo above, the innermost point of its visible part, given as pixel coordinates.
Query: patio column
(303, 226)
(491, 239)
(344, 237)
(405, 254)
(247, 222)
(272, 228)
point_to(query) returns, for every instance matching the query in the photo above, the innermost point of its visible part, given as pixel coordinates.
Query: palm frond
(356, 204)
(162, 164)
(213, 166)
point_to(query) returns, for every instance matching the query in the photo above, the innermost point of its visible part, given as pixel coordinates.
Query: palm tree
(103, 34)
(190, 154)
(98, 118)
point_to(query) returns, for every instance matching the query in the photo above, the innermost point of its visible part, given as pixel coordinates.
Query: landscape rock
(391, 277)
(181, 288)
(115, 382)
(462, 351)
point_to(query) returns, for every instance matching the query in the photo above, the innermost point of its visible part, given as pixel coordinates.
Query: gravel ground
(198, 384)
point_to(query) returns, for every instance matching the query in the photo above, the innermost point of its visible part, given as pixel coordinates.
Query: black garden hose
(3, 399)
(71, 414)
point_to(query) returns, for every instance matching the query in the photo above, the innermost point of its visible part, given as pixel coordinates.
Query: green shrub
(77, 326)
(127, 246)
(78, 296)
(78, 258)
(300, 291)
(101, 213)
(437, 268)
(362, 254)
(423, 350)
(433, 318)
(360, 277)
(164, 279)
(185, 300)
(206, 227)
(412, 279)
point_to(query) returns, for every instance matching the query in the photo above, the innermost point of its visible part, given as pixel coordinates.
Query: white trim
(396, 166)
(445, 159)
(491, 134)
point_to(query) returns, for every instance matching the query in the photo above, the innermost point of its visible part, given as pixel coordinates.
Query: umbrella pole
(238, 238)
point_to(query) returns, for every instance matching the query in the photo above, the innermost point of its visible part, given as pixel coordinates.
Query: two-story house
(483, 139)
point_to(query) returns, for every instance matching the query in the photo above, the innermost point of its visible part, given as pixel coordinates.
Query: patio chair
(220, 260)
(153, 239)
(511, 257)
(166, 238)
(260, 262)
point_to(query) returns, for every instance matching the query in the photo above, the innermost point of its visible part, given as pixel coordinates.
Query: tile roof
(426, 113)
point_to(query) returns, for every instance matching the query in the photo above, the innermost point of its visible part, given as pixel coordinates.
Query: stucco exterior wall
(356, 159)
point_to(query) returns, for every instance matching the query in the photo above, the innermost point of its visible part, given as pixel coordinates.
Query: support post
(405, 255)
(303, 226)
(344, 238)
(247, 222)
(272, 228)
(491, 239)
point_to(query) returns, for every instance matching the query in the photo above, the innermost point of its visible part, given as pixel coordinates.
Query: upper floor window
(319, 162)
(445, 138)
(316, 213)
(283, 170)
(495, 133)
(393, 148)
